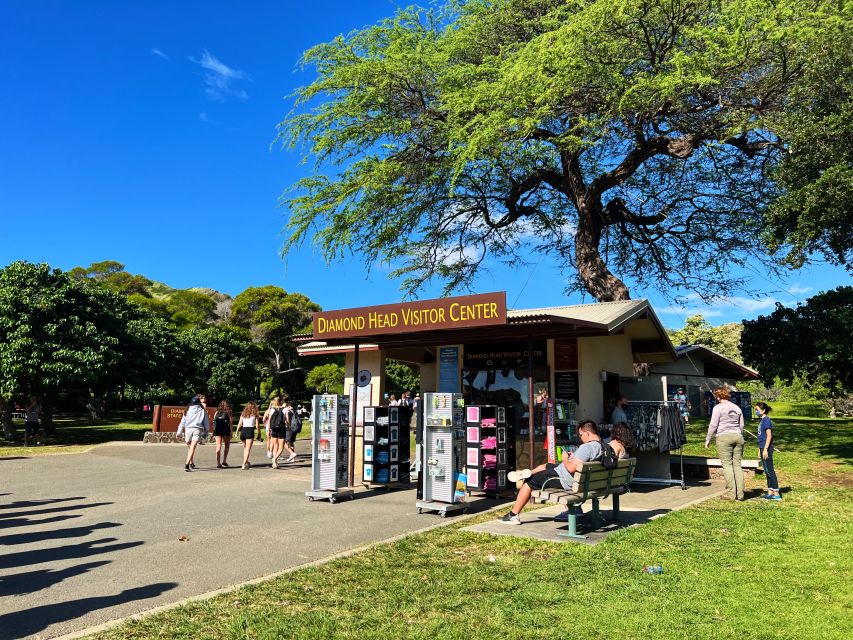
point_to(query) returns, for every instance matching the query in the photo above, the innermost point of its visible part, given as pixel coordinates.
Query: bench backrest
(592, 476)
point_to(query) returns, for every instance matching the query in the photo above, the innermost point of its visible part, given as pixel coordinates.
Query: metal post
(353, 414)
(530, 398)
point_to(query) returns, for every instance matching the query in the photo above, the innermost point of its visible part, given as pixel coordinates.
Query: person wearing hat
(683, 404)
(195, 425)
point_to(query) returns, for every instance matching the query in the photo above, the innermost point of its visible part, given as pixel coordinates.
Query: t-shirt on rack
(658, 427)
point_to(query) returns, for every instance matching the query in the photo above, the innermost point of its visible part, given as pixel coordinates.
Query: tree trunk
(593, 272)
(8, 424)
(47, 415)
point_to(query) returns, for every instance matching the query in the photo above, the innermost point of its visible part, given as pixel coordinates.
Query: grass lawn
(75, 434)
(732, 570)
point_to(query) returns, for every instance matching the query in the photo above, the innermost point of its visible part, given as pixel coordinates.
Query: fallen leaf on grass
(183, 539)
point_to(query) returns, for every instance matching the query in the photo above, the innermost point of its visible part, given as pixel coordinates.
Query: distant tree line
(91, 337)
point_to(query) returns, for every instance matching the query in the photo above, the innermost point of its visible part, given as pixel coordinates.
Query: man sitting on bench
(589, 451)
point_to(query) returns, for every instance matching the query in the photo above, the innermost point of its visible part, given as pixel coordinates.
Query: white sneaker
(269, 455)
(521, 474)
(510, 518)
(292, 457)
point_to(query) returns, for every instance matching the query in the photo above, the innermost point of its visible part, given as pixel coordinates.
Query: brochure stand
(444, 483)
(329, 448)
(487, 448)
(386, 447)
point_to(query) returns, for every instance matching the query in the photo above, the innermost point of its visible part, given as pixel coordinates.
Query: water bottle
(654, 569)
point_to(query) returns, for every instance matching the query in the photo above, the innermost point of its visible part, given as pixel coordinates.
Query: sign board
(504, 355)
(407, 317)
(448, 370)
(566, 385)
(566, 353)
(168, 418)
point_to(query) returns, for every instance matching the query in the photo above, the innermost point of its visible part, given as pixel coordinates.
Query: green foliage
(401, 377)
(326, 378)
(812, 339)
(724, 339)
(189, 308)
(619, 135)
(221, 362)
(57, 333)
(272, 316)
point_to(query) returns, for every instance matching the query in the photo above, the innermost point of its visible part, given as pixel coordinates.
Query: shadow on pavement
(32, 581)
(18, 514)
(26, 522)
(82, 550)
(21, 504)
(29, 621)
(56, 534)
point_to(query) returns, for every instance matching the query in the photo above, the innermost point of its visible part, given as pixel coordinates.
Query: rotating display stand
(443, 454)
(329, 448)
(487, 449)
(386, 447)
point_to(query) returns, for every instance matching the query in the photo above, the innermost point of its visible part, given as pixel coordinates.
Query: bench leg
(573, 524)
(616, 507)
(596, 514)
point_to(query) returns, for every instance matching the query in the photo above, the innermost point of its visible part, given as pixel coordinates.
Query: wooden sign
(168, 418)
(407, 317)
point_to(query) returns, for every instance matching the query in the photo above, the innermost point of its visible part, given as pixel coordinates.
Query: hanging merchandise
(386, 446)
(672, 431)
(487, 452)
(443, 453)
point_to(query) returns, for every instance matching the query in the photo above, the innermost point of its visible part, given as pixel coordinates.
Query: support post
(530, 399)
(353, 413)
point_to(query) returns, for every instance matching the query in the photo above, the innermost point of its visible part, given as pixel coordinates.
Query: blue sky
(143, 132)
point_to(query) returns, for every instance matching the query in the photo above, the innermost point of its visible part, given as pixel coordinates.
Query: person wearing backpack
(277, 430)
(591, 450)
(294, 426)
(222, 422)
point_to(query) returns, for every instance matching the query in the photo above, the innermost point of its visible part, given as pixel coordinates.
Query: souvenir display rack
(329, 448)
(646, 418)
(488, 449)
(558, 416)
(443, 454)
(386, 459)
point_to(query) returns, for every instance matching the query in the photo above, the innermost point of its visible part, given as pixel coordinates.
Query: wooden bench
(591, 482)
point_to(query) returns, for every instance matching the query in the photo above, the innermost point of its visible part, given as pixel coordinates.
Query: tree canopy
(724, 339)
(811, 340)
(636, 142)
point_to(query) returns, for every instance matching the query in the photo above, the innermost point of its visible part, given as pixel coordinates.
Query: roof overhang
(716, 365)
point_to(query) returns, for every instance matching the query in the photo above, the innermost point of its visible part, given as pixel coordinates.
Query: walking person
(248, 424)
(274, 417)
(222, 424)
(765, 449)
(32, 414)
(195, 425)
(292, 423)
(727, 424)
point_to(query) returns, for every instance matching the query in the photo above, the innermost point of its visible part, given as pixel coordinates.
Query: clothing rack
(640, 415)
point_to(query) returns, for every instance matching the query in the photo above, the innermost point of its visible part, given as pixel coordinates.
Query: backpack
(276, 418)
(609, 459)
(220, 420)
(295, 423)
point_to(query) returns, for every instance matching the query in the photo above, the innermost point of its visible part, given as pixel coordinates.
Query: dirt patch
(827, 474)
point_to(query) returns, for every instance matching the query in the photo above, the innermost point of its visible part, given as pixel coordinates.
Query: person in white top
(727, 424)
(196, 426)
(247, 425)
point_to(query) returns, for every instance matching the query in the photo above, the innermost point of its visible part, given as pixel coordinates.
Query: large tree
(272, 316)
(635, 141)
(812, 340)
(724, 339)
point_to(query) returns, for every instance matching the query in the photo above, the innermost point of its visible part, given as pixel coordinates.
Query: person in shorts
(247, 425)
(222, 425)
(277, 428)
(290, 433)
(194, 425)
(589, 451)
(32, 414)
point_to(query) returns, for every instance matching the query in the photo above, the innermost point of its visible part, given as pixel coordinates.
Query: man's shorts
(193, 434)
(537, 480)
(290, 437)
(32, 428)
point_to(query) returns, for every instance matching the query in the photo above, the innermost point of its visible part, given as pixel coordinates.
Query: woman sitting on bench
(589, 451)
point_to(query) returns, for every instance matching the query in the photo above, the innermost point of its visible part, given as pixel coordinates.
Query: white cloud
(157, 52)
(797, 290)
(221, 80)
(204, 117)
(722, 306)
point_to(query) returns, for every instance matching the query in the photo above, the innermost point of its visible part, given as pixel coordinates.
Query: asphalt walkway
(92, 537)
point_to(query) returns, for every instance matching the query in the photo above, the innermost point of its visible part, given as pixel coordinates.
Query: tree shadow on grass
(29, 621)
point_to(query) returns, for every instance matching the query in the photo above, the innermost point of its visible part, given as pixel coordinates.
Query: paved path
(92, 537)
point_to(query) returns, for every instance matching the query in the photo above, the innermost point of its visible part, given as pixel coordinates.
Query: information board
(566, 385)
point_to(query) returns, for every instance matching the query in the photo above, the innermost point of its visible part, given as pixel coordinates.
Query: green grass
(732, 571)
(75, 434)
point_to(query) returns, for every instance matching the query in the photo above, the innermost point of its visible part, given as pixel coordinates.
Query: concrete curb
(314, 563)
